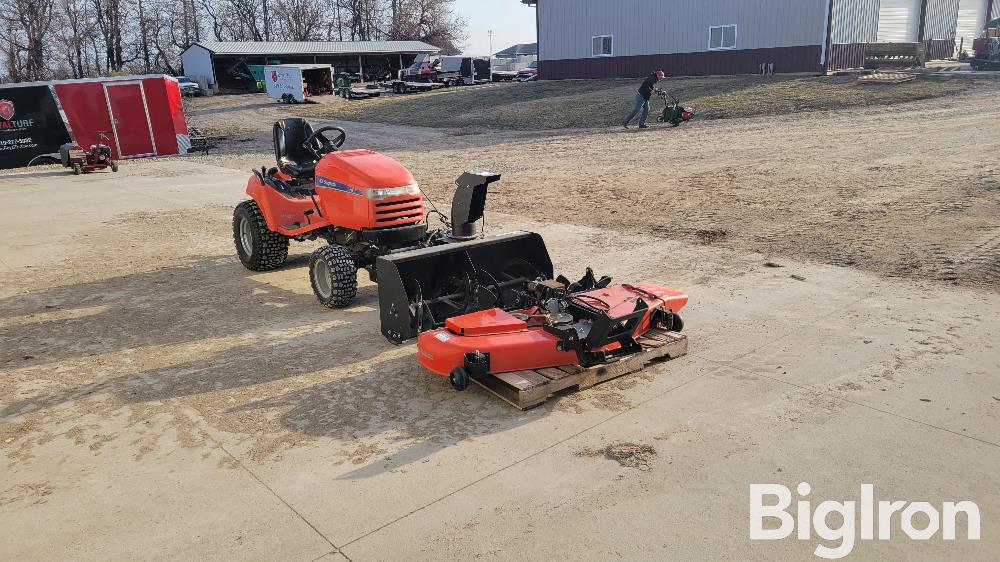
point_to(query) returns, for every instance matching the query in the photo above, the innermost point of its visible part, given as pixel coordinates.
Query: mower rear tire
(459, 378)
(114, 167)
(334, 276)
(258, 247)
(77, 169)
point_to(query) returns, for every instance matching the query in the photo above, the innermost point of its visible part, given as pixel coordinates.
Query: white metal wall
(942, 16)
(197, 62)
(898, 21)
(854, 21)
(971, 20)
(645, 27)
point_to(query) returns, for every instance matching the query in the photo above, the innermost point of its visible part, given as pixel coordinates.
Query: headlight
(385, 193)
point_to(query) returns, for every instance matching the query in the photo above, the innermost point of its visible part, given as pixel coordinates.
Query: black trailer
(32, 127)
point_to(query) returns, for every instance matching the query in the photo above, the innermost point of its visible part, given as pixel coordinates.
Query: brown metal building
(627, 38)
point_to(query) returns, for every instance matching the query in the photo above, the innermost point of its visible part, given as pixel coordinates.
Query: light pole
(490, 32)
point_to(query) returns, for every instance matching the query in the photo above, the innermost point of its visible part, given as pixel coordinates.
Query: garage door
(971, 19)
(898, 21)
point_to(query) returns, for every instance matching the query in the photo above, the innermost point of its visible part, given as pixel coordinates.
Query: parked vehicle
(528, 74)
(294, 83)
(188, 86)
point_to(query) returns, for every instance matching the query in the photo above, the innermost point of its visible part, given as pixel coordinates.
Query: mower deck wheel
(258, 248)
(459, 378)
(334, 276)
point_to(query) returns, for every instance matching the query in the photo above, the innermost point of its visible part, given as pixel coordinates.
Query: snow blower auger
(556, 330)
(370, 210)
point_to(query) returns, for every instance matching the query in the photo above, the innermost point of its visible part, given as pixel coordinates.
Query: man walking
(642, 96)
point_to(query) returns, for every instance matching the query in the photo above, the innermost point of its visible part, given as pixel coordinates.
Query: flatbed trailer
(405, 87)
(352, 93)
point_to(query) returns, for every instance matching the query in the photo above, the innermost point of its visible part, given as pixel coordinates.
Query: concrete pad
(157, 400)
(84, 493)
(693, 493)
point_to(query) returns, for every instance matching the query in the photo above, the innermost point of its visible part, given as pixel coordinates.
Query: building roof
(518, 50)
(247, 48)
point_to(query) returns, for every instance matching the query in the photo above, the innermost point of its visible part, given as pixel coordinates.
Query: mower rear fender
(291, 215)
(420, 289)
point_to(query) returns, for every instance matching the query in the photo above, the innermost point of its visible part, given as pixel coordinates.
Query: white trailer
(294, 83)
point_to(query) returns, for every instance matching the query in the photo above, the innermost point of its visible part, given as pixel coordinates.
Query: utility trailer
(142, 116)
(295, 83)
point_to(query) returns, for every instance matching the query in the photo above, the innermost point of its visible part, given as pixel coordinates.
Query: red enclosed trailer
(143, 115)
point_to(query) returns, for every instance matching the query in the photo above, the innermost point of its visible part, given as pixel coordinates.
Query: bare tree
(25, 46)
(299, 20)
(77, 38)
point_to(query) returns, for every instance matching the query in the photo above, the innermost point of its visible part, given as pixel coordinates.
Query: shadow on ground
(231, 346)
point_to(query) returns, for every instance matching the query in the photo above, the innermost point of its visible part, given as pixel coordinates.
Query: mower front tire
(459, 378)
(258, 247)
(77, 169)
(334, 276)
(114, 167)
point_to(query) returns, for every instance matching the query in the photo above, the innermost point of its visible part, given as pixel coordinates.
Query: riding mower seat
(294, 159)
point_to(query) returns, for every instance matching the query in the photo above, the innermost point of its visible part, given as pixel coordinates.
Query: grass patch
(597, 103)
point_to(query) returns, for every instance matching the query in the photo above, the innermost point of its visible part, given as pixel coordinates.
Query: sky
(511, 21)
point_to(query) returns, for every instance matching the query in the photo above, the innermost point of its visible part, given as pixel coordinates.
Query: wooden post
(829, 36)
(922, 29)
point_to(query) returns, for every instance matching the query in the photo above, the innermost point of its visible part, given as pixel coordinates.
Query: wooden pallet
(527, 389)
(886, 78)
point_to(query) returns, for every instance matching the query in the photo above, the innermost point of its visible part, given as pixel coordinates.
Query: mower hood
(363, 169)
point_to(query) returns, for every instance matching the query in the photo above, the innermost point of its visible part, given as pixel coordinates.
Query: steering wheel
(318, 143)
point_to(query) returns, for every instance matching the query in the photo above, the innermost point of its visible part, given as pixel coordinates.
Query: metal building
(218, 62)
(628, 38)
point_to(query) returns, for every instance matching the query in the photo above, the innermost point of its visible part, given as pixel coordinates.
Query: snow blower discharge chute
(482, 303)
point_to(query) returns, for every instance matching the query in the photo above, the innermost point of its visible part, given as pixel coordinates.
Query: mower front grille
(399, 212)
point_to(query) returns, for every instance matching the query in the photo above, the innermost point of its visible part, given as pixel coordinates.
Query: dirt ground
(540, 106)
(159, 401)
(906, 190)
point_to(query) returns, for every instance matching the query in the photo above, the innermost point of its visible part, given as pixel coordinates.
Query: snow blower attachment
(421, 289)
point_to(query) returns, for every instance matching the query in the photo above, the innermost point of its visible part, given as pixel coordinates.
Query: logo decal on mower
(7, 109)
(330, 184)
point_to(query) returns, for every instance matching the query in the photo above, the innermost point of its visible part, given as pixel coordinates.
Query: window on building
(604, 45)
(722, 37)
